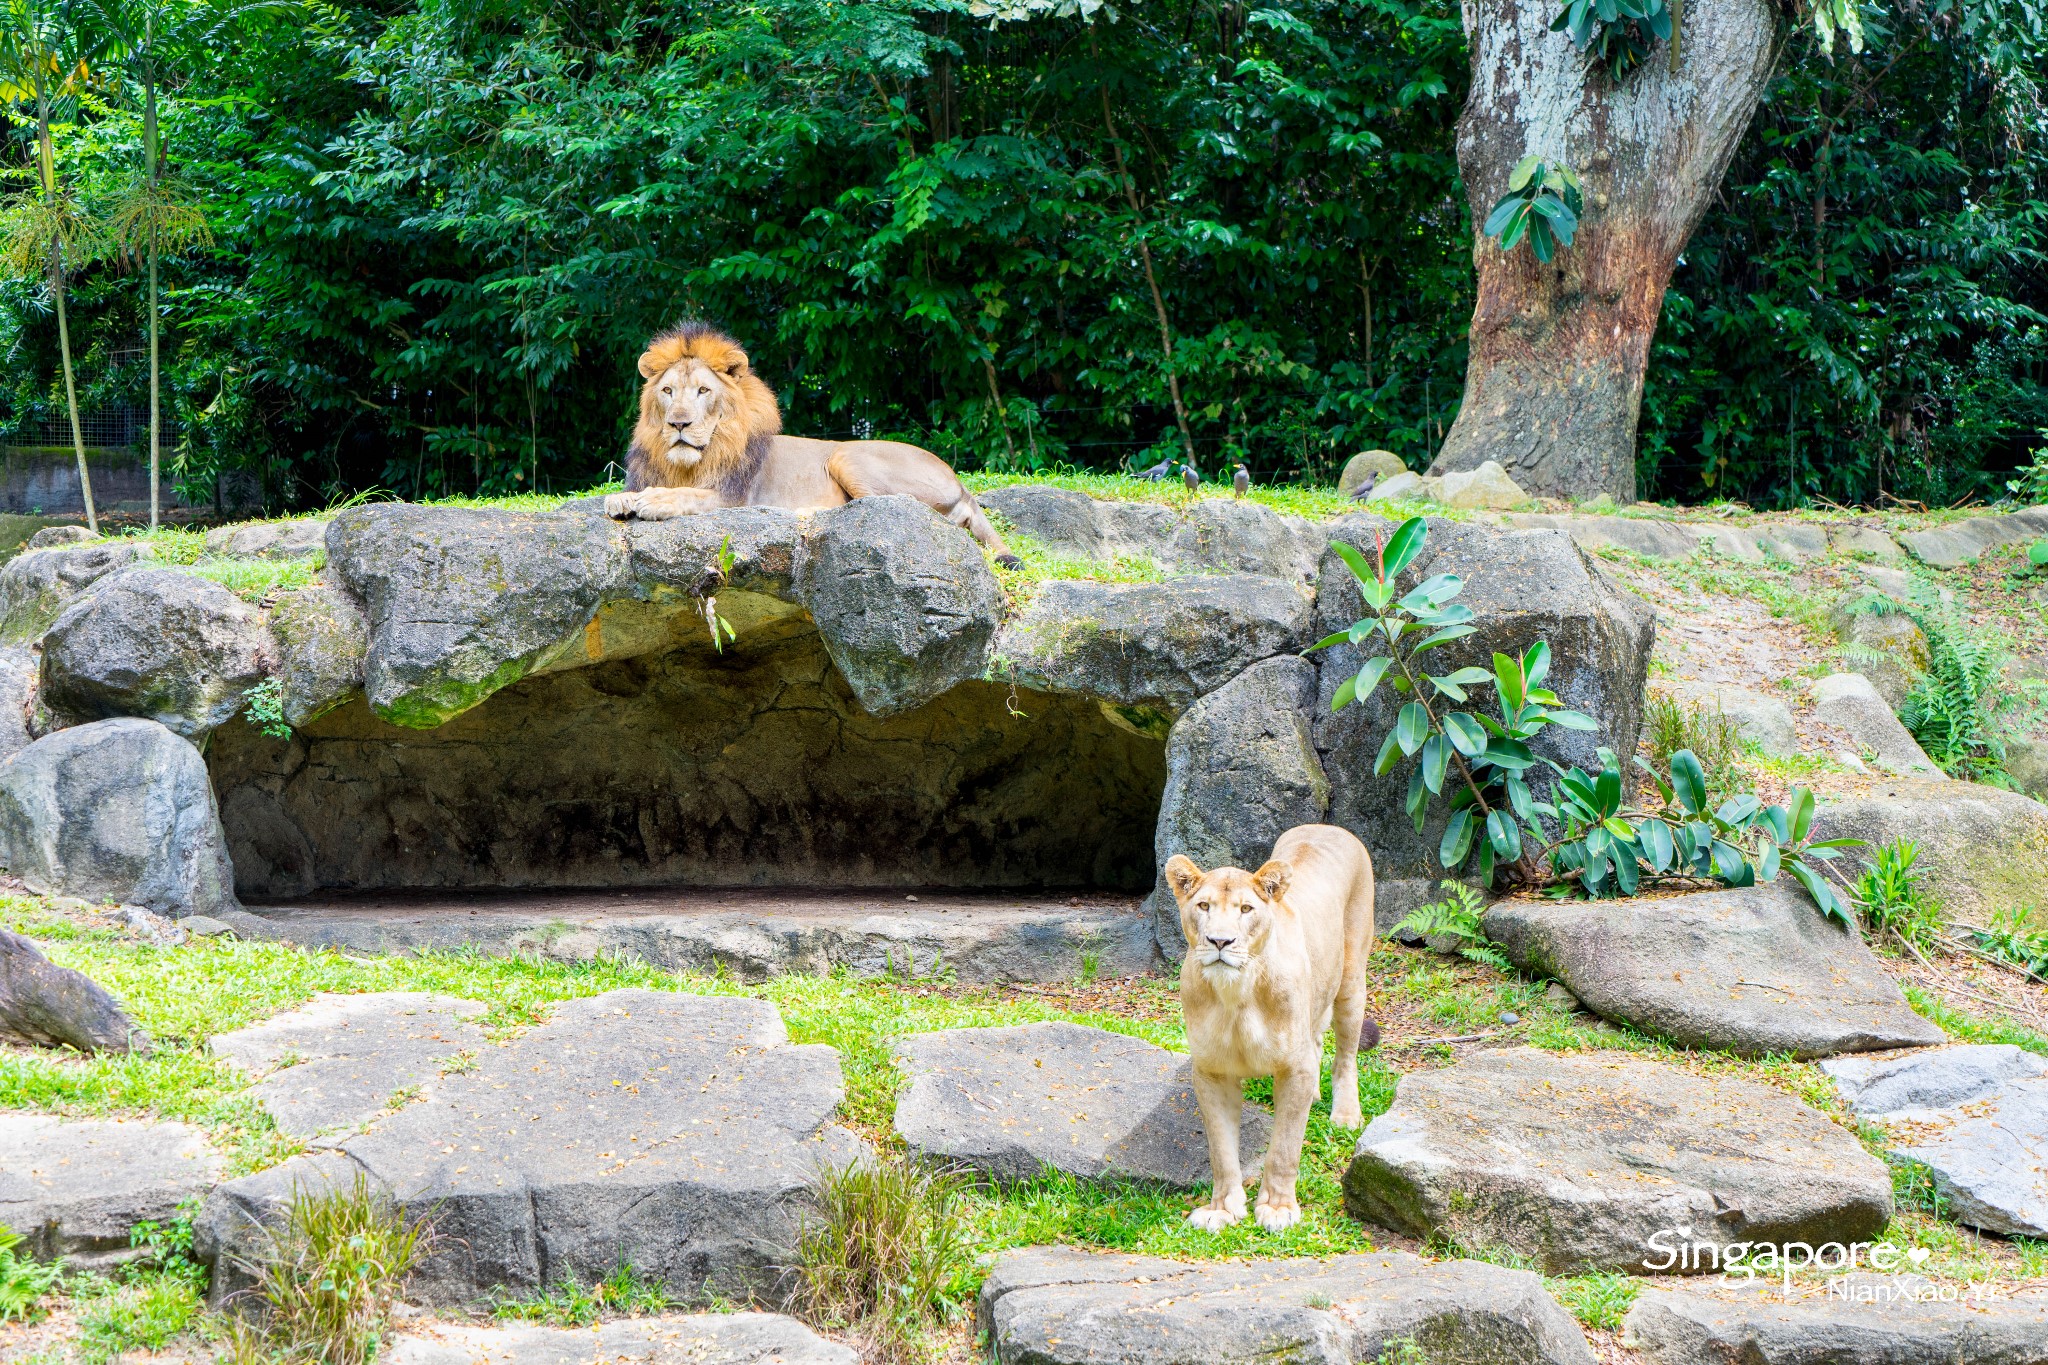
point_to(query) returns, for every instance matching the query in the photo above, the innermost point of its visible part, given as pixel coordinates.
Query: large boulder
(338, 1059)
(116, 810)
(905, 601)
(1982, 849)
(1753, 970)
(1524, 586)
(1241, 770)
(37, 584)
(678, 1134)
(17, 695)
(678, 1339)
(461, 602)
(1379, 464)
(1606, 1162)
(73, 1189)
(1209, 535)
(299, 538)
(1851, 702)
(1864, 1318)
(1960, 542)
(1487, 488)
(1976, 1116)
(45, 1005)
(1066, 1306)
(1886, 646)
(159, 644)
(322, 640)
(1018, 1103)
(1150, 648)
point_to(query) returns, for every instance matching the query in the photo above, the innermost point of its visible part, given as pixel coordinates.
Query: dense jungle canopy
(441, 231)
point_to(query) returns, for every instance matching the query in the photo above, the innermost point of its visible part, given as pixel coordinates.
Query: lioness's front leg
(1293, 1093)
(1222, 1102)
(659, 504)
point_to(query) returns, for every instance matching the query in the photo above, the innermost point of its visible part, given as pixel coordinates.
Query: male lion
(709, 435)
(1273, 956)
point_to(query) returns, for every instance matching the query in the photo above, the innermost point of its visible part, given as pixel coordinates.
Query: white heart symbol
(1917, 1255)
(1685, 1231)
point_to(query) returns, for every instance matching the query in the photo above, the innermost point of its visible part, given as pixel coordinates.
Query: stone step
(751, 934)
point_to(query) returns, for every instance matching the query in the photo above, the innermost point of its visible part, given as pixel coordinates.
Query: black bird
(1360, 493)
(1157, 471)
(1189, 477)
(1241, 482)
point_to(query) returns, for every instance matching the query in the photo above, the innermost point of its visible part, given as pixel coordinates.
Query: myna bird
(1157, 471)
(1360, 493)
(1189, 477)
(1241, 482)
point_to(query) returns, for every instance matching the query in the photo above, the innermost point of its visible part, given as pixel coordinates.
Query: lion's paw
(621, 505)
(1277, 1217)
(1347, 1115)
(1214, 1220)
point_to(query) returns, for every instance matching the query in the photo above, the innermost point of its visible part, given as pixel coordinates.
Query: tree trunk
(48, 156)
(155, 387)
(1554, 382)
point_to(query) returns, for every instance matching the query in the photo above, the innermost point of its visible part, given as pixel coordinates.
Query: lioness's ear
(1182, 876)
(649, 366)
(1272, 880)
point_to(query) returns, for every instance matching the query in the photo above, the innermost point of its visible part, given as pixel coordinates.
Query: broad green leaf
(1837, 843)
(1445, 687)
(1802, 814)
(1445, 636)
(1368, 679)
(1776, 822)
(1728, 862)
(1572, 720)
(1390, 754)
(1621, 830)
(1457, 840)
(1628, 874)
(1525, 171)
(1427, 595)
(1466, 733)
(1536, 664)
(1412, 727)
(1504, 835)
(1737, 809)
(1767, 863)
(1356, 562)
(1519, 799)
(1347, 692)
(1406, 544)
(1689, 779)
(1655, 838)
(1509, 755)
(1607, 791)
(1340, 638)
(1376, 593)
(1436, 762)
(1508, 680)
(1418, 798)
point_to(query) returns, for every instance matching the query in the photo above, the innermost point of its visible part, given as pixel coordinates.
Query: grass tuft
(334, 1272)
(886, 1257)
(623, 1293)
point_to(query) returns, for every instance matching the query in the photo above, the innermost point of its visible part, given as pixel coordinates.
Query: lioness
(709, 435)
(1273, 957)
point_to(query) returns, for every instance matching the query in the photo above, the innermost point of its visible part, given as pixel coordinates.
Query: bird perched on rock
(1157, 471)
(1241, 481)
(1364, 490)
(1189, 477)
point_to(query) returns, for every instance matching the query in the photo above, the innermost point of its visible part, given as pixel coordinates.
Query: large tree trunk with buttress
(1555, 379)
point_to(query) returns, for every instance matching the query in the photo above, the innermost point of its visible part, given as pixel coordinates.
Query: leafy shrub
(1542, 204)
(1456, 917)
(2012, 938)
(1889, 892)
(263, 707)
(1497, 821)
(1617, 33)
(1599, 1301)
(1672, 723)
(1948, 711)
(2031, 482)
(334, 1271)
(885, 1257)
(22, 1282)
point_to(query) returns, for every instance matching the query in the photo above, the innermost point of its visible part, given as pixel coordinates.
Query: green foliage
(264, 709)
(1456, 917)
(22, 1282)
(1889, 892)
(1542, 203)
(333, 1273)
(1599, 1301)
(2030, 485)
(1586, 831)
(886, 1256)
(1618, 33)
(570, 1304)
(1948, 710)
(2012, 937)
(1671, 723)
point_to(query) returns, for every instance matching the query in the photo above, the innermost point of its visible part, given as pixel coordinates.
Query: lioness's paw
(1214, 1220)
(1347, 1115)
(621, 505)
(1277, 1217)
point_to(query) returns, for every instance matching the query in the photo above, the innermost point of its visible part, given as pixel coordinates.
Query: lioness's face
(1225, 914)
(691, 399)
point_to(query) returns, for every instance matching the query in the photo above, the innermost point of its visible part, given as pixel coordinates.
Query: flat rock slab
(1869, 1319)
(1977, 1116)
(339, 1059)
(684, 1339)
(1018, 1102)
(1754, 970)
(1063, 1306)
(678, 1133)
(73, 1188)
(1578, 1162)
(752, 935)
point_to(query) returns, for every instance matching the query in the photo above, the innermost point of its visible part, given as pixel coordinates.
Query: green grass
(1598, 1301)
(571, 1304)
(1041, 562)
(1316, 503)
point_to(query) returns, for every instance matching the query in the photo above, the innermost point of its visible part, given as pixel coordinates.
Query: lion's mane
(740, 443)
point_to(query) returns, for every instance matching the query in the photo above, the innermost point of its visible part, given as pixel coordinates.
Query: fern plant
(22, 1282)
(1948, 710)
(1456, 919)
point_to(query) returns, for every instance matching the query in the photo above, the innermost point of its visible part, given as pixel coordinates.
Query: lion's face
(688, 401)
(1226, 913)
